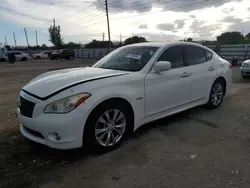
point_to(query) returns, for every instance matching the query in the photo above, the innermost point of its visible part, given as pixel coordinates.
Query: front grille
(35, 133)
(26, 107)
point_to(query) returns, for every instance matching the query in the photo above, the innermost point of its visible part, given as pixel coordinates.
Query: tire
(243, 76)
(24, 59)
(98, 121)
(71, 57)
(38, 57)
(216, 94)
(2, 60)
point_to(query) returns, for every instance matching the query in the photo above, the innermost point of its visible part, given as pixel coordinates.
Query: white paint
(152, 95)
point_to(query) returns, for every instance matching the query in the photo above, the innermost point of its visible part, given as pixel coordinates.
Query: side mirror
(162, 66)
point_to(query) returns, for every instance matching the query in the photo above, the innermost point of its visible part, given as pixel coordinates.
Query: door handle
(211, 69)
(185, 74)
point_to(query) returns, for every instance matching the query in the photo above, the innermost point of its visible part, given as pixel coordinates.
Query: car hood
(53, 82)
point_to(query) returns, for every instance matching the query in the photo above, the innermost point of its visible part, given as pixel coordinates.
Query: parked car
(63, 54)
(99, 106)
(42, 55)
(245, 69)
(20, 56)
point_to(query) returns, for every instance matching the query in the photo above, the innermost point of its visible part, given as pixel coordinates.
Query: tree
(72, 45)
(55, 36)
(231, 38)
(189, 40)
(134, 39)
(248, 36)
(98, 44)
(44, 46)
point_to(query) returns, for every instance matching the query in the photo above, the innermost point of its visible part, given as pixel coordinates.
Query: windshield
(131, 58)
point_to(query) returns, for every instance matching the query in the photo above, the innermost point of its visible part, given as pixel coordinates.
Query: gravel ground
(196, 148)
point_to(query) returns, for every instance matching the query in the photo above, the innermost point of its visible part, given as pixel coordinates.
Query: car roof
(166, 44)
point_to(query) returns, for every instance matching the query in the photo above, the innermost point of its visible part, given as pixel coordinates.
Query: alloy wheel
(110, 127)
(217, 94)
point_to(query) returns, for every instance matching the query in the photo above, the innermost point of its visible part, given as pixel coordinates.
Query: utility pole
(54, 23)
(6, 42)
(14, 38)
(107, 13)
(36, 39)
(103, 36)
(120, 39)
(26, 37)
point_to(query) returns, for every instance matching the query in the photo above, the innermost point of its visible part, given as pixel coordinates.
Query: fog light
(54, 137)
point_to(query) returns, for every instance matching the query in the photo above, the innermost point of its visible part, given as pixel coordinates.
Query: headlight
(67, 104)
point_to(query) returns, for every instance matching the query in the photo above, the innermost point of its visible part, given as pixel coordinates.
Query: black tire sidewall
(210, 104)
(89, 139)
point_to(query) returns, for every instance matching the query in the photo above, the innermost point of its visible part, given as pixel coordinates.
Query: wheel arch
(115, 99)
(221, 78)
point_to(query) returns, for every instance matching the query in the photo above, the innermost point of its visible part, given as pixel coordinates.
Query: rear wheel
(71, 57)
(107, 126)
(217, 94)
(38, 57)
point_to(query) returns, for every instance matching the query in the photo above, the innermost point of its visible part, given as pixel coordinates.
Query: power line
(83, 21)
(80, 21)
(80, 15)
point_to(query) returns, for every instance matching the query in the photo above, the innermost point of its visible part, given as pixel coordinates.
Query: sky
(82, 21)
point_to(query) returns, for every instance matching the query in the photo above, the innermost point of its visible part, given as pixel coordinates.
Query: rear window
(208, 54)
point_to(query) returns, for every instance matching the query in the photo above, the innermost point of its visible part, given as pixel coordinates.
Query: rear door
(202, 69)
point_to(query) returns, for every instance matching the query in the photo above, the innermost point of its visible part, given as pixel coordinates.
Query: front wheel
(107, 126)
(24, 59)
(216, 94)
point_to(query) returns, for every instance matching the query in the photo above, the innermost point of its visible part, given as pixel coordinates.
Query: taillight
(230, 65)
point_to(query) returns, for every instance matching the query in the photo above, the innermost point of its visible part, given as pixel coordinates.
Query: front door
(169, 89)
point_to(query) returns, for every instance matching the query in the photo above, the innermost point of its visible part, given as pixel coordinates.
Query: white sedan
(99, 106)
(245, 69)
(41, 55)
(20, 56)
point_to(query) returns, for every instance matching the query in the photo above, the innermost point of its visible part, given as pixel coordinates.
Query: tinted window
(174, 56)
(209, 55)
(18, 53)
(194, 55)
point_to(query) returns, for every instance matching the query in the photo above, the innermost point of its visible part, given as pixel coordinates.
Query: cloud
(192, 16)
(170, 5)
(228, 10)
(122, 6)
(190, 5)
(158, 36)
(201, 30)
(179, 24)
(240, 26)
(231, 19)
(143, 26)
(165, 26)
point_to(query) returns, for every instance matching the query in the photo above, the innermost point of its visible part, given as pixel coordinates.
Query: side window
(174, 56)
(18, 53)
(194, 55)
(208, 54)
